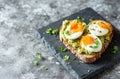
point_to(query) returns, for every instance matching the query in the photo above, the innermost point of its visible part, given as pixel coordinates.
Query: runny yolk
(87, 40)
(104, 25)
(75, 26)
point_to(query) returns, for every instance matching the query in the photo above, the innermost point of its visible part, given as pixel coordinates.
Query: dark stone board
(78, 69)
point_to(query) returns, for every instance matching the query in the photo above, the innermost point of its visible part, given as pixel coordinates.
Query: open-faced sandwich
(86, 41)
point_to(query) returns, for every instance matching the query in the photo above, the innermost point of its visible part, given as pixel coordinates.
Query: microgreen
(38, 54)
(115, 49)
(49, 30)
(62, 49)
(96, 44)
(56, 31)
(67, 32)
(52, 31)
(46, 68)
(35, 62)
(65, 58)
(79, 19)
(90, 19)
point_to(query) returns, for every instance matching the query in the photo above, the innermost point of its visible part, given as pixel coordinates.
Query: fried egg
(99, 27)
(74, 29)
(91, 43)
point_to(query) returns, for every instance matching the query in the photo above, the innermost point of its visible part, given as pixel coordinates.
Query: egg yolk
(75, 26)
(104, 25)
(87, 40)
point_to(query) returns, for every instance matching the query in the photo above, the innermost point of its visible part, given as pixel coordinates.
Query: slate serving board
(78, 69)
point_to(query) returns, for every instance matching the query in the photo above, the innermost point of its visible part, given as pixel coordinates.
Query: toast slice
(88, 58)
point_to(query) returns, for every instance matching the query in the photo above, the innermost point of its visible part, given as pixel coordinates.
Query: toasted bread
(87, 58)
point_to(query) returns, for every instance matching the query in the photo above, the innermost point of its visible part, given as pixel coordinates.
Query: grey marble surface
(18, 46)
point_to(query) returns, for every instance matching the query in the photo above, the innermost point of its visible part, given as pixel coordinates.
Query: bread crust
(86, 58)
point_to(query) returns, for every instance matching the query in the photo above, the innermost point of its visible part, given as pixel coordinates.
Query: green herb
(75, 45)
(74, 58)
(115, 49)
(90, 19)
(46, 68)
(102, 39)
(79, 19)
(107, 38)
(62, 49)
(64, 25)
(65, 58)
(102, 22)
(35, 62)
(96, 44)
(86, 26)
(52, 31)
(56, 31)
(49, 30)
(66, 22)
(38, 54)
(67, 32)
(100, 31)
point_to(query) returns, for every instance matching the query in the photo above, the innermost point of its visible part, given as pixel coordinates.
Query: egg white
(97, 30)
(74, 35)
(88, 47)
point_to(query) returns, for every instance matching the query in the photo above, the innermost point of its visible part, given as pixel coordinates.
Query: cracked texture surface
(18, 46)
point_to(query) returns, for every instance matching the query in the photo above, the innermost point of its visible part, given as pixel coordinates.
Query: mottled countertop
(18, 46)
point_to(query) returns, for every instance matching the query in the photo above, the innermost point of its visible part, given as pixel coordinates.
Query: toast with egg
(86, 42)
